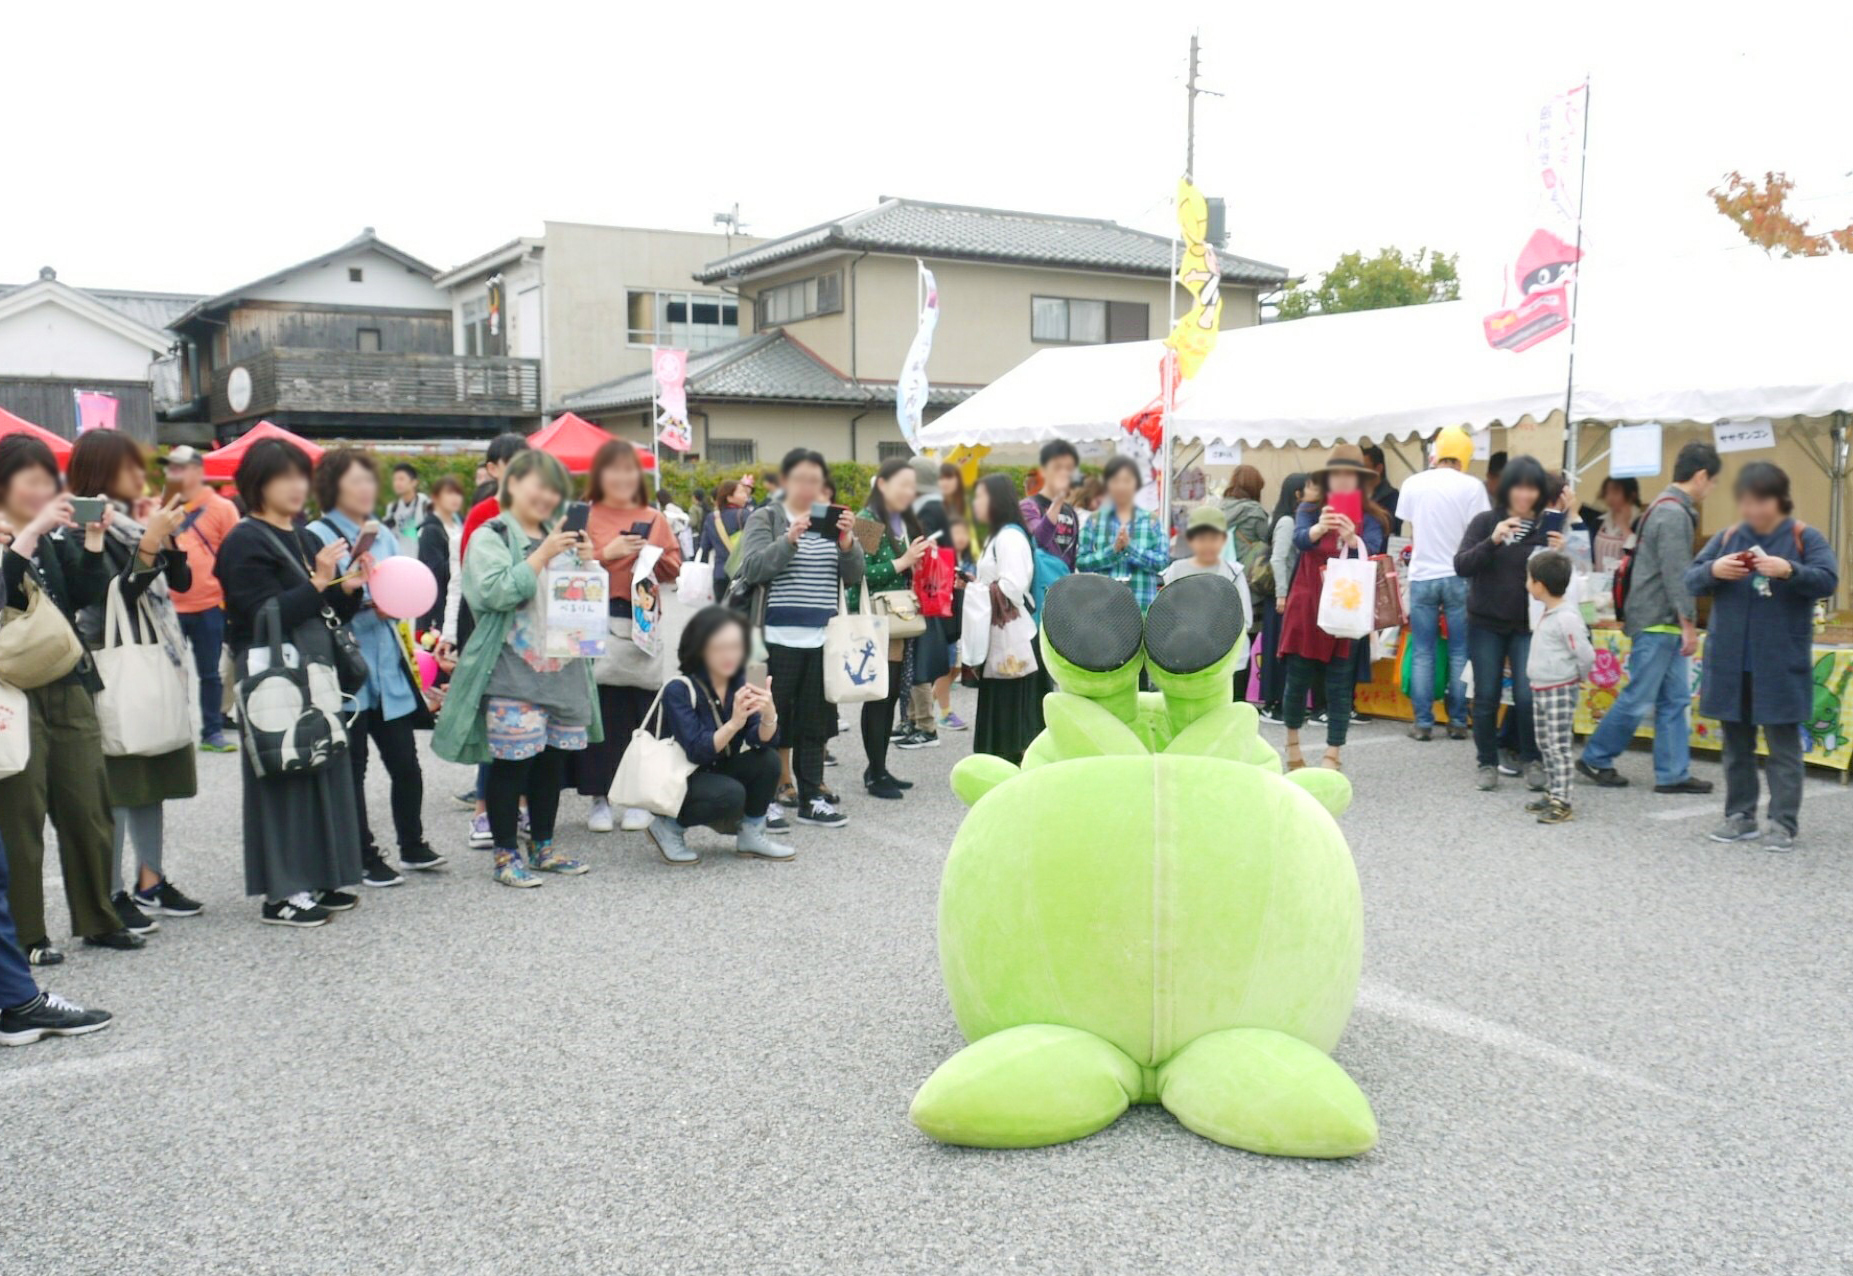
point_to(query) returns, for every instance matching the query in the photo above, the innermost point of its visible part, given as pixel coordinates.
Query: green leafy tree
(1391, 278)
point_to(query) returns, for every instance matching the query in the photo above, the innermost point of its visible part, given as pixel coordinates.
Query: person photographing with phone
(727, 724)
(890, 566)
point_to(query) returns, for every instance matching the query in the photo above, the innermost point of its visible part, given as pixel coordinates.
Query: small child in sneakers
(1561, 657)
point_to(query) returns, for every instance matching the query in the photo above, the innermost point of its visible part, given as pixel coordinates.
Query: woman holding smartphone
(511, 704)
(890, 566)
(302, 829)
(1343, 520)
(728, 727)
(621, 520)
(65, 776)
(1492, 557)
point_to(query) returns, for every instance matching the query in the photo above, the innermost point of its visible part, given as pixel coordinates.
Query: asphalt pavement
(1606, 1047)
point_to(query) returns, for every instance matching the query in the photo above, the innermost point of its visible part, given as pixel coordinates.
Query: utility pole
(1190, 114)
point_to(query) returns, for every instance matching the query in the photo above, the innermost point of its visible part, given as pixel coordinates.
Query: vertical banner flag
(1199, 273)
(670, 368)
(497, 341)
(95, 411)
(1546, 264)
(910, 392)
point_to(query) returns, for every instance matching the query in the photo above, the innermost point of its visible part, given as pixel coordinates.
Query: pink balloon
(427, 668)
(402, 588)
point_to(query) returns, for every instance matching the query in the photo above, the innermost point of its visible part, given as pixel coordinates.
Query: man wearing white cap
(209, 518)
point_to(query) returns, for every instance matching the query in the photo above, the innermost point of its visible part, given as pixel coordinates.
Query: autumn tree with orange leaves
(1759, 213)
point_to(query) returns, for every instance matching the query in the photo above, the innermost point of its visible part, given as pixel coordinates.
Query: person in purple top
(1050, 514)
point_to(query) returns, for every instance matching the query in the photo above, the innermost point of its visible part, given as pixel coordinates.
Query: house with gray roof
(826, 315)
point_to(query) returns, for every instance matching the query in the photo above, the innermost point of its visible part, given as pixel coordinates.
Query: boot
(753, 840)
(666, 835)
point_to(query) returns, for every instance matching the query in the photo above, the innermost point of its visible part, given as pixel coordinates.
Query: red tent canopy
(60, 446)
(575, 440)
(221, 465)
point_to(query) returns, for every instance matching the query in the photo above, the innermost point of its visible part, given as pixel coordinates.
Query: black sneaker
(1604, 778)
(297, 910)
(823, 813)
(48, 1015)
(829, 758)
(43, 954)
(375, 871)
(1508, 762)
(776, 821)
(170, 899)
(132, 918)
(122, 941)
(900, 733)
(420, 858)
(918, 740)
(1688, 785)
(879, 787)
(336, 901)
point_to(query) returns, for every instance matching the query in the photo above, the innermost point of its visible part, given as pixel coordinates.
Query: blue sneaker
(548, 860)
(510, 871)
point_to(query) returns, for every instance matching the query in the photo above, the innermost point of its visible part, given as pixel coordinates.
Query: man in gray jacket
(1662, 624)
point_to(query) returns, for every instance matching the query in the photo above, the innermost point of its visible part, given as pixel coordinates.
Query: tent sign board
(1744, 436)
(1222, 454)
(1482, 445)
(1634, 451)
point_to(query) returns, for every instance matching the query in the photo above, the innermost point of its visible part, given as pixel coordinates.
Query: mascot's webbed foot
(1027, 1087)
(977, 774)
(1264, 1091)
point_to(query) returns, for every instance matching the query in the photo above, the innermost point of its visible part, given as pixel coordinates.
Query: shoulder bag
(855, 654)
(653, 774)
(350, 662)
(145, 707)
(15, 730)
(38, 645)
(288, 714)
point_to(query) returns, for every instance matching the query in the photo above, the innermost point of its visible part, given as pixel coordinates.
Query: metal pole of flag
(1570, 444)
(656, 461)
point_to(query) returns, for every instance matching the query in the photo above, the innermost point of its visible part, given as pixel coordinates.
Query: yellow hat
(1454, 444)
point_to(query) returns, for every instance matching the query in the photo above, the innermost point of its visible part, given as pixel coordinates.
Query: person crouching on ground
(728, 728)
(1560, 657)
(510, 704)
(1764, 575)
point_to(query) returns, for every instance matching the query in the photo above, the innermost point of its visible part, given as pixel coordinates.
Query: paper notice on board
(1482, 445)
(1634, 451)
(1222, 453)
(1744, 436)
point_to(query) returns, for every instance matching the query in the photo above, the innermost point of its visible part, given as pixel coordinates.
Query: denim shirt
(388, 687)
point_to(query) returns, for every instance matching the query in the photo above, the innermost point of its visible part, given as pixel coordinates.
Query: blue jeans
(17, 986)
(1658, 678)
(1428, 601)
(205, 630)
(1492, 652)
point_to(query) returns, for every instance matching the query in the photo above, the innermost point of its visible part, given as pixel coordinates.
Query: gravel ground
(1607, 1047)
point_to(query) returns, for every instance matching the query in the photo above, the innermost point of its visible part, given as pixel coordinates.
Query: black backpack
(1624, 570)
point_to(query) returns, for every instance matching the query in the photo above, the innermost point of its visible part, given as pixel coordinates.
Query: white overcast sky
(194, 149)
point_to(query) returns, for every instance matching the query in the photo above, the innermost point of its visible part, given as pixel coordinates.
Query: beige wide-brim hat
(1345, 456)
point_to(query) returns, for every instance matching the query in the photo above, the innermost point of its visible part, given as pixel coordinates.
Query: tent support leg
(1837, 491)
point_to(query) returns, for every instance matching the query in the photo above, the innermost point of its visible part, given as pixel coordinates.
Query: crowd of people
(280, 581)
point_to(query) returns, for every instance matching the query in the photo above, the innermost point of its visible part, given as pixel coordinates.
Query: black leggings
(729, 788)
(538, 779)
(398, 747)
(878, 721)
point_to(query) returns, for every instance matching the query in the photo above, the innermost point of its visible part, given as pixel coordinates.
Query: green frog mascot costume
(1148, 910)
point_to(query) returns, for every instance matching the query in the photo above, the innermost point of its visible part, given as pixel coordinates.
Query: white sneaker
(599, 821)
(636, 819)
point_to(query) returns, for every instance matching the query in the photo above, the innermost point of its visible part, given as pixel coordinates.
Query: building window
(354, 275)
(1077, 322)
(367, 340)
(731, 452)
(682, 320)
(800, 299)
(475, 325)
(892, 450)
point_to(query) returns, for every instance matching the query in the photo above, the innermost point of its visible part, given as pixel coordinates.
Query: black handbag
(349, 661)
(286, 728)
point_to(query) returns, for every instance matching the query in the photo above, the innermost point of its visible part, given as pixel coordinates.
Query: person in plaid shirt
(1122, 540)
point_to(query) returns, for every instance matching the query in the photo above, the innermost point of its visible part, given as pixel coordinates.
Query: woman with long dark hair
(728, 728)
(720, 528)
(890, 566)
(623, 520)
(302, 829)
(1311, 655)
(1492, 557)
(1009, 709)
(139, 545)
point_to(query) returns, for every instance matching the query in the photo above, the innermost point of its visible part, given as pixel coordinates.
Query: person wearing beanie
(1436, 506)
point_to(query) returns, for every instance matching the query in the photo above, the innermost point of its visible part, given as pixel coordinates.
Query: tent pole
(1576, 292)
(1837, 491)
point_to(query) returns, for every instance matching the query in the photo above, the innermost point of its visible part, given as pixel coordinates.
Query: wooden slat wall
(254, 329)
(289, 380)
(48, 404)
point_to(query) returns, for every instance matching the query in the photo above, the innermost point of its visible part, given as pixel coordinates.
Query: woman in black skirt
(1009, 709)
(302, 838)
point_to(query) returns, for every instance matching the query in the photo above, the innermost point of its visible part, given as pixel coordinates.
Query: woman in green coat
(509, 703)
(890, 566)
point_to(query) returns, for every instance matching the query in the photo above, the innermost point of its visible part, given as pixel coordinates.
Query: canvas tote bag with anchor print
(855, 653)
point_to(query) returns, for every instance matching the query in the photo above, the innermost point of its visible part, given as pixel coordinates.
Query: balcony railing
(286, 379)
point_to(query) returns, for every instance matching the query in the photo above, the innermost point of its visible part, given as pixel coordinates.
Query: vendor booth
(1731, 345)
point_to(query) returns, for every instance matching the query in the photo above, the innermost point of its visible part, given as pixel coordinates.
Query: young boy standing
(1561, 657)
(1207, 532)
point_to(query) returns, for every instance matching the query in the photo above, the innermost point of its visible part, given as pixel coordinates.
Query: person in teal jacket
(510, 704)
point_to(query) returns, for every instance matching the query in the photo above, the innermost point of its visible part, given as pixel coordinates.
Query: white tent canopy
(1729, 337)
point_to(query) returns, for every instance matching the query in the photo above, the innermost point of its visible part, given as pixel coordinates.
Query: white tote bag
(15, 730)
(855, 654)
(695, 583)
(653, 773)
(1348, 595)
(144, 708)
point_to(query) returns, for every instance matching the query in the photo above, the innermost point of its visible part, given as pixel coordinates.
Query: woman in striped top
(800, 568)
